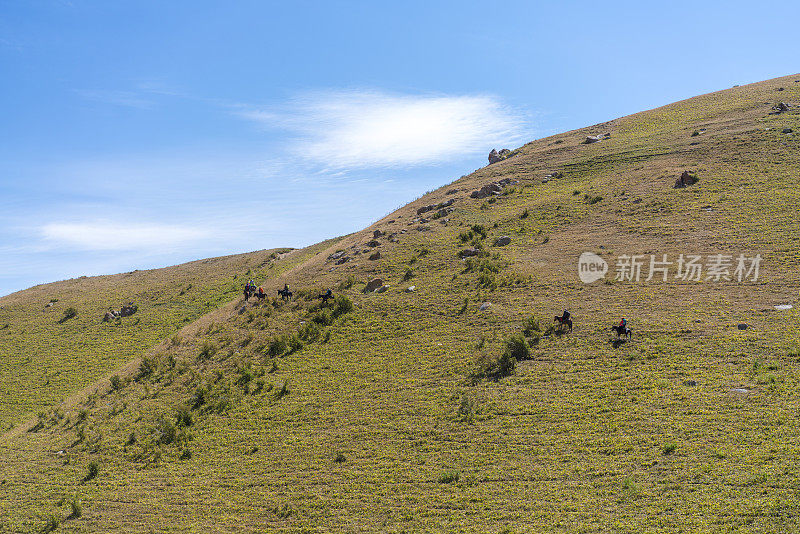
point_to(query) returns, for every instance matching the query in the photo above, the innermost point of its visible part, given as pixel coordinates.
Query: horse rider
(623, 324)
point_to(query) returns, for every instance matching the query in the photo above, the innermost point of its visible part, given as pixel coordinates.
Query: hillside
(395, 411)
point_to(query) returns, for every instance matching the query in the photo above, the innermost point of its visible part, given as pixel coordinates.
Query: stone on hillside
(373, 243)
(129, 309)
(344, 260)
(686, 178)
(376, 255)
(109, 316)
(485, 306)
(467, 252)
(502, 241)
(780, 107)
(740, 390)
(426, 209)
(787, 130)
(242, 310)
(741, 326)
(451, 192)
(381, 289)
(411, 289)
(690, 383)
(377, 233)
(337, 255)
(373, 284)
(487, 191)
(592, 139)
(494, 157)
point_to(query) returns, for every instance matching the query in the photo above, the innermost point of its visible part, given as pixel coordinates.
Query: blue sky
(144, 134)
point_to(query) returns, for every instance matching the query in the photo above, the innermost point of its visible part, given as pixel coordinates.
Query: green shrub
(409, 274)
(69, 313)
(183, 418)
(668, 448)
(494, 367)
(52, 523)
(282, 391)
(92, 471)
(524, 214)
(116, 383)
(294, 343)
(277, 346)
(449, 476)
(309, 332)
(517, 347)
(323, 318)
(207, 351)
(165, 432)
(148, 366)
(531, 326)
(75, 509)
(341, 306)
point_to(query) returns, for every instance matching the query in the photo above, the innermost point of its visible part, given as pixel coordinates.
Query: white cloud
(114, 236)
(371, 129)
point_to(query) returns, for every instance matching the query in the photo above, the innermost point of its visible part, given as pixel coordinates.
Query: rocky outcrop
(467, 252)
(375, 256)
(494, 188)
(780, 107)
(129, 309)
(495, 156)
(502, 241)
(685, 179)
(373, 285)
(596, 138)
(431, 207)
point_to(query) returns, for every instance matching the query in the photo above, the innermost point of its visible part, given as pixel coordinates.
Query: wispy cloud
(113, 236)
(361, 129)
(130, 99)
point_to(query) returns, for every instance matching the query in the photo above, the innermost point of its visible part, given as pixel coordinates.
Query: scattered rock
(129, 309)
(374, 243)
(787, 130)
(502, 241)
(686, 178)
(373, 284)
(555, 174)
(110, 316)
(411, 289)
(337, 255)
(377, 233)
(375, 256)
(467, 252)
(690, 383)
(443, 212)
(48, 305)
(485, 306)
(381, 289)
(783, 307)
(344, 260)
(740, 390)
(779, 108)
(741, 326)
(487, 191)
(596, 138)
(451, 192)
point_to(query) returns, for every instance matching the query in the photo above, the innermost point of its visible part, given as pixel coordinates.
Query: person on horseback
(564, 316)
(286, 288)
(623, 324)
(260, 293)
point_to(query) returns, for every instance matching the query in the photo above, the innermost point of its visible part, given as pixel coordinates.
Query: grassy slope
(43, 359)
(579, 439)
